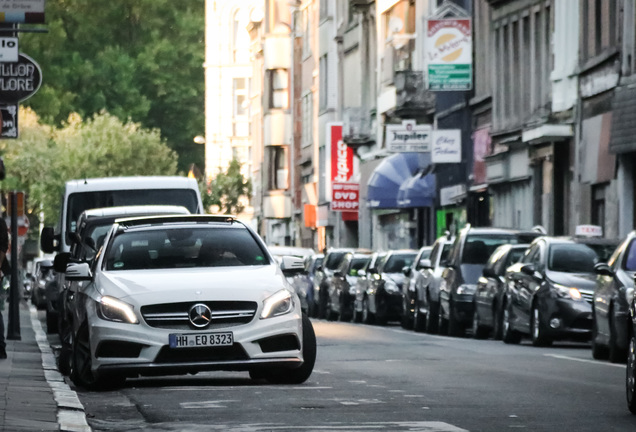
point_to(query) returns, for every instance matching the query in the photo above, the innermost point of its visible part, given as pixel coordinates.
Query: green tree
(137, 59)
(44, 157)
(228, 191)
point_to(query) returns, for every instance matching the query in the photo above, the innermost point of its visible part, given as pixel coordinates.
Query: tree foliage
(45, 157)
(140, 60)
(228, 191)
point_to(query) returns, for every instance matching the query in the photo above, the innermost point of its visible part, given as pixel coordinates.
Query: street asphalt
(33, 394)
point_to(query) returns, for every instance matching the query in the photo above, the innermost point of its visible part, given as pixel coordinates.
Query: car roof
(136, 210)
(175, 220)
(130, 182)
(582, 240)
(291, 250)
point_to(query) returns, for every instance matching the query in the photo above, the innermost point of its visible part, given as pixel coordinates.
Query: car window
(445, 252)
(169, 247)
(478, 248)
(630, 257)
(572, 258)
(396, 262)
(435, 251)
(333, 259)
(359, 263)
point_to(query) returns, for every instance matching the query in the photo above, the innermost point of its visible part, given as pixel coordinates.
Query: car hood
(582, 281)
(398, 278)
(176, 285)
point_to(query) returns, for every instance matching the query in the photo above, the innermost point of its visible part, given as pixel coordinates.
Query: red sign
(341, 157)
(345, 197)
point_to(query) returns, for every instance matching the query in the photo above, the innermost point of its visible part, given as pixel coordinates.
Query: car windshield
(478, 248)
(396, 262)
(572, 258)
(358, 263)
(333, 260)
(172, 247)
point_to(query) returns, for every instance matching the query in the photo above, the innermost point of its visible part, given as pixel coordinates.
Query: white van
(81, 195)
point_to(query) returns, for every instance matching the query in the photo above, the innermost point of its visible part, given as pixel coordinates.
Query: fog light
(555, 323)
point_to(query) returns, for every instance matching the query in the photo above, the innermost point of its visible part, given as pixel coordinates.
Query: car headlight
(567, 292)
(279, 303)
(391, 287)
(467, 289)
(112, 309)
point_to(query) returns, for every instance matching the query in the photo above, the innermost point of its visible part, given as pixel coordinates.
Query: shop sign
(341, 166)
(8, 49)
(19, 80)
(22, 11)
(408, 137)
(588, 231)
(345, 197)
(9, 121)
(447, 146)
(449, 56)
(452, 195)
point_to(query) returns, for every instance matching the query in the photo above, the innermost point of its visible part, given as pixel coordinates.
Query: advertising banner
(408, 137)
(449, 56)
(447, 146)
(341, 166)
(346, 197)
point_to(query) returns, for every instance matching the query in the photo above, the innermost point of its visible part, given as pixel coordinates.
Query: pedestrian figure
(5, 269)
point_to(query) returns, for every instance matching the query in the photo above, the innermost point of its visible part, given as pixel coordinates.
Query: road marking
(362, 402)
(206, 404)
(421, 426)
(564, 357)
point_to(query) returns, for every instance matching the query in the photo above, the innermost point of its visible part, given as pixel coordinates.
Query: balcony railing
(412, 97)
(357, 128)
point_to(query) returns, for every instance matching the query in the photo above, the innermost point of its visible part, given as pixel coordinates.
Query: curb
(70, 414)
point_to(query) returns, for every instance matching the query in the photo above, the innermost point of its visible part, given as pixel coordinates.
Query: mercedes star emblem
(200, 315)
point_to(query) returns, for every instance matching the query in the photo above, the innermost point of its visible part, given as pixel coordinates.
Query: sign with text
(9, 121)
(22, 11)
(408, 137)
(345, 197)
(341, 165)
(8, 49)
(447, 146)
(449, 56)
(19, 80)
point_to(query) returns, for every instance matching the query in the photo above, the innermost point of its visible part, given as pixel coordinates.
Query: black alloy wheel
(81, 365)
(539, 336)
(616, 353)
(432, 317)
(479, 331)
(509, 335)
(630, 379)
(599, 352)
(345, 315)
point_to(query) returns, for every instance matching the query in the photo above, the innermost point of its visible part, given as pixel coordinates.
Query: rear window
(572, 258)
(478, 248)
(171, 247)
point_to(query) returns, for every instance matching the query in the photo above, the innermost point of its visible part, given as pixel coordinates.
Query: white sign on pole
(8, 49)
(408, 137)
(447, 146)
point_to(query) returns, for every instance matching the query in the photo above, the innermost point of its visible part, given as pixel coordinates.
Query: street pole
(13, 329)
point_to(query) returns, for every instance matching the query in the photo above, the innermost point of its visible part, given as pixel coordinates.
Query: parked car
(384, 294)
(304, 253)
(42, 274)
(630, 376)
(409, 294)
(488, 315)
(466, 261)
(183, 294)
(303, 283)
(342, 286)
(426, 310)
(549, 293)
(610, 309)
(322, 277)
(366, 275)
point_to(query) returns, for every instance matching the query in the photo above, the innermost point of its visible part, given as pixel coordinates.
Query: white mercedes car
(183, 294)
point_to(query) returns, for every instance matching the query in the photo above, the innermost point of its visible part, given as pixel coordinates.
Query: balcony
(357, 130)
(412, 97)
(361, 4)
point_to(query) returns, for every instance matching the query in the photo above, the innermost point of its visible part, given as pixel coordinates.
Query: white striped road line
(564, 357)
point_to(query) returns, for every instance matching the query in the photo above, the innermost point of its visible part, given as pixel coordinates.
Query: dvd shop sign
(345, 197)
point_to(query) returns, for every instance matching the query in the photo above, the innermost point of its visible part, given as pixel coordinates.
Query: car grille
(193, 355)
(175, 315)
(588, 297)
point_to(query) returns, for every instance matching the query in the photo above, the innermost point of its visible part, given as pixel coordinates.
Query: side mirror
(603, 269)
(407, 271)
(61, 261)
(528, 269)
(426, 263)
(291, 265)
(48, 239)
(489, 272)
(362, 273)
(46, 265)
(78, 272)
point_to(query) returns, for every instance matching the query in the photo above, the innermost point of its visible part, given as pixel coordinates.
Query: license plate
(193, 340)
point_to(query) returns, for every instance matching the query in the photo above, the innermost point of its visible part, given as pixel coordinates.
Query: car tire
(455, 328)
(630, 379)
(497, 320)
(81, 365)
(432, 317)
(479, 331)
(367, 316)
(419, 319)
(345, 315)
(407, 319)
(51, 322)
(538, 331)
(296, 375)
(509, 335)
(66, 339)
(442, 323)
(616, 353)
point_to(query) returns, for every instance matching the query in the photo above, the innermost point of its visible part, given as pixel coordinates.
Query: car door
(605, 290)
(487, 288)
(530, 285)
(518, 285)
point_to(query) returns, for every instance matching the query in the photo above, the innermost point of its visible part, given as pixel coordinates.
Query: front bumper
(389, 305)
(463, 307)
(139, 349)
(567, 319)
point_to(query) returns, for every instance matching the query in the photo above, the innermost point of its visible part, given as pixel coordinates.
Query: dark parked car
(466, 261)
(411, 275)
(549, 292)
(322, 278)
(384, 293)
(488, 315)
(304, 283)
(42, 274)
(610, 331)
(630, 378)
(342, 288)
(365, 276)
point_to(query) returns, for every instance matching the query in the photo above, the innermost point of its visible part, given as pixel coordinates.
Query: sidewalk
(33, 394)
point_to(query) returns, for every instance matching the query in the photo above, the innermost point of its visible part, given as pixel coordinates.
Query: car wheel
(66, 339)
(599, 352)
(432, 317)
(357, 315)
(81, 365)
(345, 315)
(455, 328)
(539, 337)
(419, 319)
(51, 322)
(479, 331)
(442, 323)
(509, 335)
(497, 320)
(630, 380)
(300, 374)
(407, 319)
(616, 353)
(367, 316)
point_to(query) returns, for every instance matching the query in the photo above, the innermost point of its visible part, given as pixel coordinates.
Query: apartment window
(277, 167)
(278, 80)
(598, 205)
(240, 92)
(307, 118)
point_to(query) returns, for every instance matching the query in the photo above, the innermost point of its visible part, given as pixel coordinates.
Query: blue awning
(387, 178)
(417, 191)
